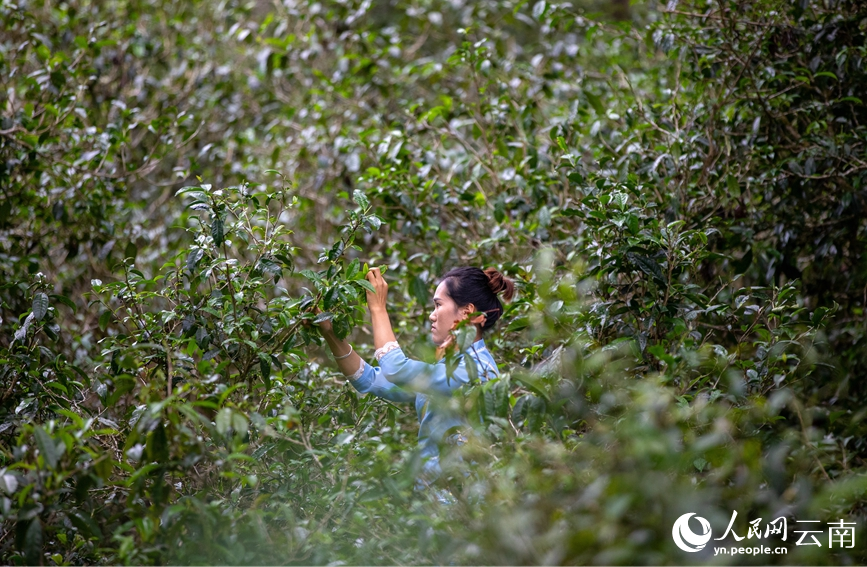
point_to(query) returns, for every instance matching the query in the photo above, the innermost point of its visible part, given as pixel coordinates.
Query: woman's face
(445, 314)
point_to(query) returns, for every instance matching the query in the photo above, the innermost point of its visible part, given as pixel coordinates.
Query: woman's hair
(472, 285)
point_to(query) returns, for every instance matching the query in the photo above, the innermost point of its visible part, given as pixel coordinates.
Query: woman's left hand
(324, 326)
(376, 301)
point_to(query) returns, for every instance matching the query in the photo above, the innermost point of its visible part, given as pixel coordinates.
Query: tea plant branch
(229, 283)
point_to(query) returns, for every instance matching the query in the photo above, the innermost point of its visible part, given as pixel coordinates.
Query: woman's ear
(478, 318)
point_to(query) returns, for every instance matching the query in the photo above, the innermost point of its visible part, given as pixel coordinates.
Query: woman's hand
(324, 326)
(445, 346)
(376, 301)
(382, 331)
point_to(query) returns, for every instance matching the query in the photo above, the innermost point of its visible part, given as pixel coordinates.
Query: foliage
(187, 187)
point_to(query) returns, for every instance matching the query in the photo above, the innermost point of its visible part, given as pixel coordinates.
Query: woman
(461, 292)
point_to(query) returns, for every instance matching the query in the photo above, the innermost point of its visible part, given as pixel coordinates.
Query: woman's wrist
(378, 311)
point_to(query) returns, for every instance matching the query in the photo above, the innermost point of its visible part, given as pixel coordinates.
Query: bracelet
(345, 355)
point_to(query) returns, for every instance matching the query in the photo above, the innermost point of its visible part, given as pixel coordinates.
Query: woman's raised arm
(376, 303)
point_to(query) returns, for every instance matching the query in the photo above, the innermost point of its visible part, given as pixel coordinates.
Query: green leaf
(311, 275)
(472, 372)
(529, 410)
(122, 384)
(490, 404)
(366, 285)
(64, 300)
(33, 543)
(131, 251)
(633, 224)
(336, 250)
(8, 483)
(419, 290)
(329, 300)
(324, 316)
(223, 421)
(50, 450)
(217, 231)
(104, 319)
(360, 199)
(518, 323)
(352, 269)
(373, 221)
(733, 186)
(659, 352)
(465, 336)
(265, 369)
(595, 102)
(270, 266)
(158, 445)
(193, 258)
(40, 305)
(648, 266)
(84, 522)
(240, 424)
(341, 328)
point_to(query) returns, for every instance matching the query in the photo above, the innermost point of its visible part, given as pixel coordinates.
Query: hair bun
(500, 283)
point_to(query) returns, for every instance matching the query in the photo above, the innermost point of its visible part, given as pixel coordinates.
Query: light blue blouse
(402, 379)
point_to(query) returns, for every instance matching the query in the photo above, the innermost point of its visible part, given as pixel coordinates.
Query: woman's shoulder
(484, 358)
(479, 349)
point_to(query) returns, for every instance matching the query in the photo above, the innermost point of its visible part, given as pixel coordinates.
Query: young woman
(461, 292)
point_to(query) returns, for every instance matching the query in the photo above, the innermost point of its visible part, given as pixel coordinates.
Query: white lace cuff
(386, 348)
(358, 372)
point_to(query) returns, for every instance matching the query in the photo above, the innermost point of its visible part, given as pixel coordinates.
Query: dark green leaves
(595, 102)
(64, 300)
(40, 305)
(419, 289)
(50, 449)
(647, 265)
(495, 398)
(360, 199)
(267, 265)
(335, 252)
(366, 285)
(265, 369)
(193, 258)
(32, 542)
(529, 410)
(104, 319)
(157, 447)
(84, 522)
(324, 316)
(217, 233)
